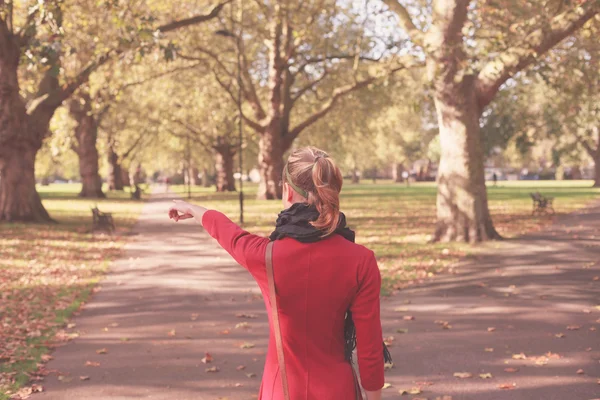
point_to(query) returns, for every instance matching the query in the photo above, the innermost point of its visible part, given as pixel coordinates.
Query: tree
(314, 56)
(43, 40)
(472, 49)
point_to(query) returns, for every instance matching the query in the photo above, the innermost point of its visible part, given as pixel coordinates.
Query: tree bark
(270, 164)
(115, 172)
(398, 169)
(462, 205)
(355, 176)
(205, 179)
(86, 134)
(224, 153)
(597, 170)
(19, 200)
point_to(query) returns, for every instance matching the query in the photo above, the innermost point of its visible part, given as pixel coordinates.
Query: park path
(175, 295)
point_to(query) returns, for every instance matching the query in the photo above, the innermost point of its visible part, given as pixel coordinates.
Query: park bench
(541, 204)
(137, 193)
(102, 221)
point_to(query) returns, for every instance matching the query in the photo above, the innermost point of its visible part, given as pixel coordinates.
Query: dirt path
(176, 295)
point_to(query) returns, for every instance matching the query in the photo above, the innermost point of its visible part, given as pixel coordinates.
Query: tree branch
(132, 147)
(253, 124)
(414, 33)
(171, 26)
(538, 42)
(316, 60)
(329, 104)
(300, 92)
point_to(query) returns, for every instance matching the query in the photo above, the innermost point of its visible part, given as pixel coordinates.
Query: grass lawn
(396, 221)
(47, 271)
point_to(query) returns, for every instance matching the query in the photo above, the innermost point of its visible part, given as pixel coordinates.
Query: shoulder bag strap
(275, 319)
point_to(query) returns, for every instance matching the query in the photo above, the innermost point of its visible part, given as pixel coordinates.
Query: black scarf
(295, 223)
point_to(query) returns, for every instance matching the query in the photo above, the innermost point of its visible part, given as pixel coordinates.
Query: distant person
(495, 179)
(327, 286)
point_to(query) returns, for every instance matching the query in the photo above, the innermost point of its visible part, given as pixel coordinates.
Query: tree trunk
(86, 134)
(115, 172)
(398, 169)
(205, 180)
(125, 178)
(462, 205)
(270, 162)
(597, 170)
(224, 168)
(355, 176)
(135, 175)
(194, 172)
(19, 200)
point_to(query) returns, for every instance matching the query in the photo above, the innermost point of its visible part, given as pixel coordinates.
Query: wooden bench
(102, 221)
(137, 194)
(541, 204)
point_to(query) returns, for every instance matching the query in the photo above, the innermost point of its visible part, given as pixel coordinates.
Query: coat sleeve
(366, 316)
(247, 249)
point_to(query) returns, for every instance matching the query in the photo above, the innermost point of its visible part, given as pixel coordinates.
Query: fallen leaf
(491, 329)
(415, 390)
(387, 385)
(388, 366)
(486, 376)
(242, 325)
(520, 356)
(238, 385)
(212, 369)
(402, 330)
(247, 345)
(408, 318)
(114, 325)
(102, 351)
(250, 316)
(124, 339)
(463, 375)
(194, 316)
(560, 335)
(241, 367)
(401, 309)
(92, 364)
(225, 332)
(573, 327)
(251, 375)
(507, 386)
(37, 388)
(593, 329)
(444, 398)
(489, 349)
(84, 378)
(171, 332)
(580, 372)
(207, 358)
(511, 370)
(65, 378)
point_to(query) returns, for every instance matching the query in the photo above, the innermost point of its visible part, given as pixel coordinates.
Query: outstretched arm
(183, 210)
(247, 249)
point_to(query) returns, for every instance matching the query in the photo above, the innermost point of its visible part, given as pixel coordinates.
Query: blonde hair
(313, 171)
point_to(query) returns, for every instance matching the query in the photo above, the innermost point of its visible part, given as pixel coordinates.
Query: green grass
(48, 271)
(397, 221)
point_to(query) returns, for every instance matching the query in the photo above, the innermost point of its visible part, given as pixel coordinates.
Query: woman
(320, 275)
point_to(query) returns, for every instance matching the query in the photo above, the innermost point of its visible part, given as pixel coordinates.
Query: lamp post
(227, 33)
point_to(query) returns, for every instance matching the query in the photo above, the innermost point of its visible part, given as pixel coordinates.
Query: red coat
(317, 283)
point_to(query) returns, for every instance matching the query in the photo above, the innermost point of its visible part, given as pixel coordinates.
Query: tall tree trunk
(205, 179)
(224, 167)
(398, 169)
(194, 172)
(270, 164)
(19, 199)
(86, 134)
(355, 176)
(462, 205)
(115, 172)
(597, 169)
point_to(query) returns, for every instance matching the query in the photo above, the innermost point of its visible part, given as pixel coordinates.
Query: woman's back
(316, 283)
